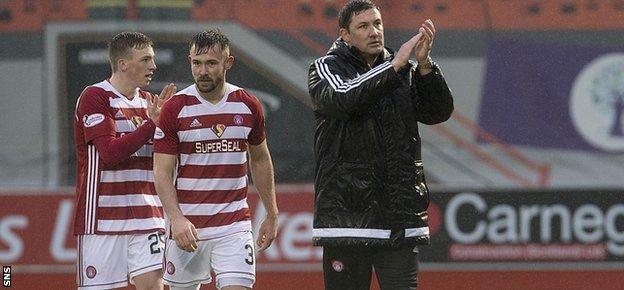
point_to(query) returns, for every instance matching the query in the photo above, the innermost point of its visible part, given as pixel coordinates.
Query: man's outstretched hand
(155, 102)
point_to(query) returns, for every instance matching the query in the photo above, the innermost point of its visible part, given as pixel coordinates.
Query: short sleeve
(93, 114)
(166, 135)
(257, 133)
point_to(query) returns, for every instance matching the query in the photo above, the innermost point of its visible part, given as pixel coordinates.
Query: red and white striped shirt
(211, 142)
(120, 198)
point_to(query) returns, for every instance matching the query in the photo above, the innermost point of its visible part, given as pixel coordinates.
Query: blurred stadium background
(526, 177)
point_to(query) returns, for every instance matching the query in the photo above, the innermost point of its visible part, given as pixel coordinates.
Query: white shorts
(106, 261)
(232, 258)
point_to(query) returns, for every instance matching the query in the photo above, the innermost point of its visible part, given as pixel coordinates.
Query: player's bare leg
(149, 281)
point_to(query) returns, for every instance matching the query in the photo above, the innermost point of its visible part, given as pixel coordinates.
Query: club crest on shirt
(218, 129)
(338, 266)
(137, 121)
(91, 272)
(170, 268)
(238, 120)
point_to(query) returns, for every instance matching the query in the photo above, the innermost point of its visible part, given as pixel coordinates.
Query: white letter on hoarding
(546, 219)
(527, 214)
(614, 245)
(451, 222)
(63, 220)
(9, 238)
(588, 223)
(297, 230)
(503, 221)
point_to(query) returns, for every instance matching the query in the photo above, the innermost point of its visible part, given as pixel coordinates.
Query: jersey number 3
(249, 260)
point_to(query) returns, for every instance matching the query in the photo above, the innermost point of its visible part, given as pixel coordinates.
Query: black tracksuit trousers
(350, 268)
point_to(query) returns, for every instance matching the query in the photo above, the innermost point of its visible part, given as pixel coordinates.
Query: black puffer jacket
(370, 186)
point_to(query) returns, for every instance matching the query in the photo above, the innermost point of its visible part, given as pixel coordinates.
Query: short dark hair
(206, 39)
(352, 8)
(121, 45)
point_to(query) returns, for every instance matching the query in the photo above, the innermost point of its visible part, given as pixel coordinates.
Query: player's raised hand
(267, 232)
(155, 102)
(184, 233)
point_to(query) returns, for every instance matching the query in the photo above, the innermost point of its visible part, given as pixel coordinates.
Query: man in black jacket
(371, 197)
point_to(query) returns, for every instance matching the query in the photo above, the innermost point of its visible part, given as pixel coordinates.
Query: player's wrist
(425, 64)
(176, 216)
(272, 215)
(397, 64)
